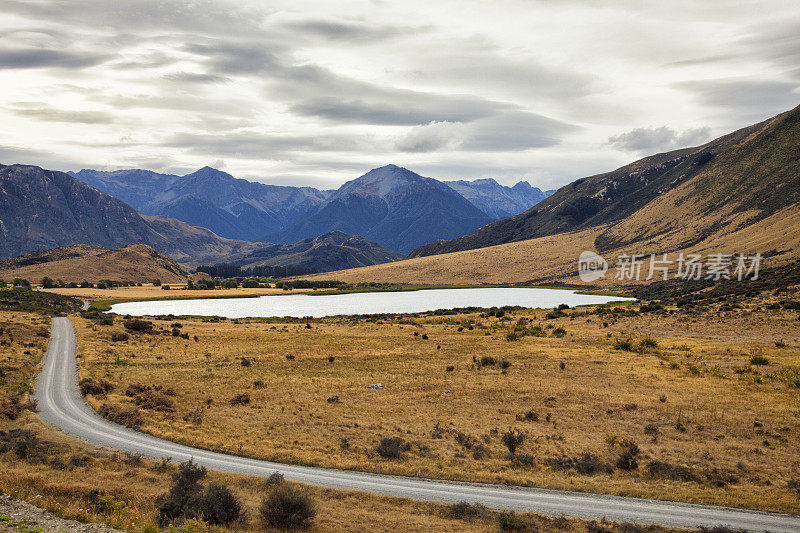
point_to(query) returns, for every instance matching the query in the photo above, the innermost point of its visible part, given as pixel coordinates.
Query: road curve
(61, 405)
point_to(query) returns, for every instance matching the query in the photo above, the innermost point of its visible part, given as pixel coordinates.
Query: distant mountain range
(230, 207)
(499, 201)
(43, 209)
(390, 205)
(675, 199)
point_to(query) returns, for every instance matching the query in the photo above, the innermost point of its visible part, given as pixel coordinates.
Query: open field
(59, 473)
(708, 397)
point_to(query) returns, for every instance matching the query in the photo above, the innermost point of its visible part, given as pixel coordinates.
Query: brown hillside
(743, 197)
(136, 262)
(679, 198)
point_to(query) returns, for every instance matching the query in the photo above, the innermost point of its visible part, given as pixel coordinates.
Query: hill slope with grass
(678, 198)
(136, 262)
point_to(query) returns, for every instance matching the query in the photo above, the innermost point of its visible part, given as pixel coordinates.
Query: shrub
(220, 505)
(627, 460)
(513, 439)
(25, 444)
(185, 498)
(138, 325)
(245, 362)
(287, 507)
(648, 343)
(118, 337)
(488, 360)
(624, 345)
(759, 360)
(671, 471)
(195, 416)
(156, 283)
(95, 387)
(275, 478)
(392, 447)
(155, 400)
(505, 365)
(559, 332)
(528, 416)
(596, 527)
(509, 521)
(467, 511)
(240, 399)
(128, 417)
(586, 464)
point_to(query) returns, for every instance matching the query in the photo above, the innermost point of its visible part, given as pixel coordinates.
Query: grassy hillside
(680, 198)
(137, 262)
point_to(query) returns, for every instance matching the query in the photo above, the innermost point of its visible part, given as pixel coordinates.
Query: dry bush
(95, 387)
(129, 417)
(287, 507)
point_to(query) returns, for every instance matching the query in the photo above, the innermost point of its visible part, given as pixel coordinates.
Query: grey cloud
(49, 159)
(504, 132)
(226, 57)
(231, 107)
(511, 131)
(339, 30)
(41, 111)
(315, 91)
(195, 77)
(750, 99)
(652, 140)
(524, 77)
(254, 145)
(202, 16)
(403, 108)
(39, 57)
(432, 137)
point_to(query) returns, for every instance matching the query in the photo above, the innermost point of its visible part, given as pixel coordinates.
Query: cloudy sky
(316, 93)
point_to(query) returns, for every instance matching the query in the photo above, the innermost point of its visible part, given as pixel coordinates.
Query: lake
(365, 303)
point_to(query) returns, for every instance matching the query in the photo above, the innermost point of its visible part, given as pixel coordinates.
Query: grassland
(63, 475)
(711, 423)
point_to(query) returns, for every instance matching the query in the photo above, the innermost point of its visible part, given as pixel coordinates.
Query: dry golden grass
(135, 483)
(136, 262)
(712, 409)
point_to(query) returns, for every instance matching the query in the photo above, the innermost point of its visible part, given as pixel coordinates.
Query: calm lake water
(303, 305)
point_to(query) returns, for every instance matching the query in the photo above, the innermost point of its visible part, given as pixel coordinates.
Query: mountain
(135, 262)
(241, 209)
(332, 251)
(42, 209)
(499, 201)
(675, 199)
(230, 207)
(392, 206)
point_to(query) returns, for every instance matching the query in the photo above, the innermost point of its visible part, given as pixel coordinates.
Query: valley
(710, 422)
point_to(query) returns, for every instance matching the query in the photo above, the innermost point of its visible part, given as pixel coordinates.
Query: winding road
(61, 405)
